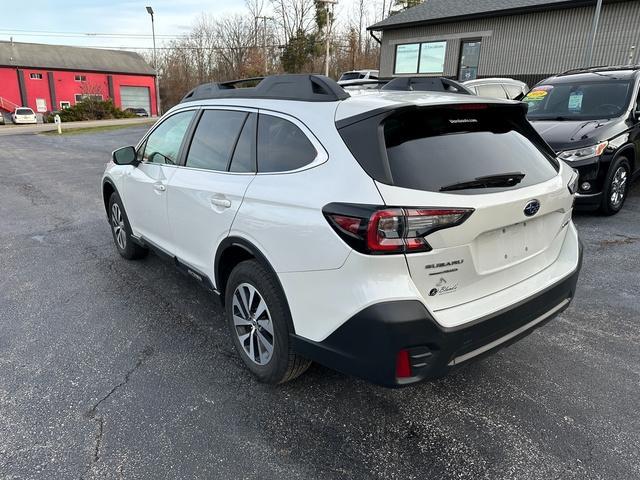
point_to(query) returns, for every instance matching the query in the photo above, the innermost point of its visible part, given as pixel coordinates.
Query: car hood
(567, 135)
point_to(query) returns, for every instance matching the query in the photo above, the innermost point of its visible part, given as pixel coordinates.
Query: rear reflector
(403, 365)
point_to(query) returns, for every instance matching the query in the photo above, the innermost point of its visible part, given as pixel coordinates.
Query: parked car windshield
(579, 101)
(24, 111)
(352, 76)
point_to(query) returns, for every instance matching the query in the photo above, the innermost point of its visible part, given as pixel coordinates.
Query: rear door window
(282, 146)
(244, 156)
(215, 139)
(437, 149)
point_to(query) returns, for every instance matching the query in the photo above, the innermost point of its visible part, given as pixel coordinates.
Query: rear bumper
(367, 344)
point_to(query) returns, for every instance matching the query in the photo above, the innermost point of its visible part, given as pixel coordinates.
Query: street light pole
(594, 30)
(264, 42)
(155, 61)
(328, 33)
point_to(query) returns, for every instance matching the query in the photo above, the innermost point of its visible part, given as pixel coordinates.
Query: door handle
(221, 202)
(159, 187)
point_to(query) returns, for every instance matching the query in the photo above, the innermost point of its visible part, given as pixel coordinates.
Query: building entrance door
(469, 59)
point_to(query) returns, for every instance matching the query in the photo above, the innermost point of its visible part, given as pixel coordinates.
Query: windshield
(461, 151)
(579, 101)
(24, 111)
(351, 76)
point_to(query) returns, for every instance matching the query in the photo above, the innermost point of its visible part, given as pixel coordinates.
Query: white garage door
(135, 97)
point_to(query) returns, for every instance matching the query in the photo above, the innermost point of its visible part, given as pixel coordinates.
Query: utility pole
(594, 31)
(264, 43)
(155, 62)
(328, 32)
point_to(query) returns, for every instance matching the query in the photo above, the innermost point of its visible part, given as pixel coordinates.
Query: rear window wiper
(498, 180)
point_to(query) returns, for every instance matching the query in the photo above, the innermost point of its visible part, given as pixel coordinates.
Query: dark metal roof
(440, 11)
(62, 57)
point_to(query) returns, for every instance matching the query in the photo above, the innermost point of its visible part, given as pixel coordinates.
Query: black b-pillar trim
(23, 87)
(110, 87)
(52, 91)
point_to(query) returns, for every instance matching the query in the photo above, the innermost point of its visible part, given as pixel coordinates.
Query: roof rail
(600, 68)
(426, 84)
(305, 88)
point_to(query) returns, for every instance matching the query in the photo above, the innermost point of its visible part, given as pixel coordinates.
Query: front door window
(469, 59)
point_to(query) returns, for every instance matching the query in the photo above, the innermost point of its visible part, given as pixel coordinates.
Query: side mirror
(125, 156)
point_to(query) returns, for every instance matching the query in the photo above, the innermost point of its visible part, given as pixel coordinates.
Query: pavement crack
(143, 356)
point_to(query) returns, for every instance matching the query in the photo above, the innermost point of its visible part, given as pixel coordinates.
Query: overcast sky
(24, 20)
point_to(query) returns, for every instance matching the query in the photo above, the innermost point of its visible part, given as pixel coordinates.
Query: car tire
(121, 231)
(260, 324)
(616, 186)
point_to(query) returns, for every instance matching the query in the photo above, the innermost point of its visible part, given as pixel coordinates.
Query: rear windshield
(579, 100)
(457, 150)
(24, 111)
(440, 149)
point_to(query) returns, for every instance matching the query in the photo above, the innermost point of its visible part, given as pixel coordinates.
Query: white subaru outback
(390, 236)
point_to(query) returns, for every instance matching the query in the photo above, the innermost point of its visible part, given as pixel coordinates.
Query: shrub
(92, 109)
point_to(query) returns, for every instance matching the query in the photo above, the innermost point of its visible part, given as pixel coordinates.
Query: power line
(45, 33)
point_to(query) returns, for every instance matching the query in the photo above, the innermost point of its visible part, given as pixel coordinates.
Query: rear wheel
(121, 230)
(259, 322)
(616, 186)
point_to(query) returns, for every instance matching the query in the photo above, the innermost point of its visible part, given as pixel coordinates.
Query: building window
(81, 78)
(426, 57)
(35, 76)
(65, 105)
(84, 96)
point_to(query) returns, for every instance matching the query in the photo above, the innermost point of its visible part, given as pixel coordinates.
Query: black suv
(591, 118)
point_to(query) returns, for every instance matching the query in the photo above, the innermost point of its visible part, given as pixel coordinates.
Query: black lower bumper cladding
(367, 345)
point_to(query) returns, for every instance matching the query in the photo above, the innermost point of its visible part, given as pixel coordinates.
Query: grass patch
(99, 128)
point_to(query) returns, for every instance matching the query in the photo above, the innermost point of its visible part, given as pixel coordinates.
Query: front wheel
(259, 323)
(616, 186)
(121, 230)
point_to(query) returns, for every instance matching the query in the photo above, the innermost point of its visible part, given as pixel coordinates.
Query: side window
(492, 90)
(214, 139)
(163, 145)
(282, 146)
(244, 156)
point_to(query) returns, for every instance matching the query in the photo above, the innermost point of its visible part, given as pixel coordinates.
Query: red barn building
(51, 77)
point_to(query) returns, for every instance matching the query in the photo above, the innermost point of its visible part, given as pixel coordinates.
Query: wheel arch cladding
(107, 190)
(232, 251)
(629, 152)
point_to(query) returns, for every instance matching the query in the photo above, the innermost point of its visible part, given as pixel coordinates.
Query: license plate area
(512, 244)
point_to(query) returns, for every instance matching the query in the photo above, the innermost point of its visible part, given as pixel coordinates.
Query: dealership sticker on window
(538, 94)
(575, 101)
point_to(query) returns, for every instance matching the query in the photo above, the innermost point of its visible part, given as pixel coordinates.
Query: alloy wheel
(117, 223)
(618, 187)
(252, 323)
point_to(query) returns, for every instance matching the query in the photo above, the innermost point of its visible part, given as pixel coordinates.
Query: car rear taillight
(379, 230)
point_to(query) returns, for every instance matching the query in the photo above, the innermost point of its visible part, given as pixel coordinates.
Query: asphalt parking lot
(116, 369)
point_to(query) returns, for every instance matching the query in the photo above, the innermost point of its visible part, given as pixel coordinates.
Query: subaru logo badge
(531, 208)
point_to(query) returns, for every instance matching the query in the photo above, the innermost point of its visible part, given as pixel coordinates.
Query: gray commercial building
(524, 39)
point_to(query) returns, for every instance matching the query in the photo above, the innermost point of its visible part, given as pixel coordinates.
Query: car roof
(338, 110)
(480, 81)
(360, 71)
(594, 75)
(361, 104)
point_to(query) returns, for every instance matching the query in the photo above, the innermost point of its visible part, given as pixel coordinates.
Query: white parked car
(392, 236)
(23, 115)
(498, 88)
(357, 76)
